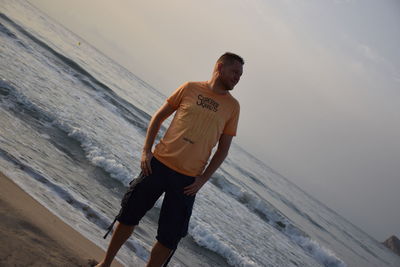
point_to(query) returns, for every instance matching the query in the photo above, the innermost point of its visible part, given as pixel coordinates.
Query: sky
(320, 93)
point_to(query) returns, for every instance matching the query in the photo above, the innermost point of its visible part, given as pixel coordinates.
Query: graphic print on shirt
(207, 102)
(204, 118)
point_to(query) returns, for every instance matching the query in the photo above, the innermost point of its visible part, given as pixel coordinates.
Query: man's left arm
(219, 156)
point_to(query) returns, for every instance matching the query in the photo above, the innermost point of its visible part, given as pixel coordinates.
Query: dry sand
(30, 235)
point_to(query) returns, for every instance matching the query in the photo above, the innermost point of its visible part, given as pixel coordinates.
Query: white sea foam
(93, 152)
(276, 219)
(97, 156)
(139, 248)
(205, 238)
(321, 254)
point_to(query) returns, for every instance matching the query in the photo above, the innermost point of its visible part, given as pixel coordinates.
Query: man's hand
(145, 162)
(192, 189)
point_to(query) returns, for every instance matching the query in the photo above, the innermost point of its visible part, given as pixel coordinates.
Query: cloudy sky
(320, 94)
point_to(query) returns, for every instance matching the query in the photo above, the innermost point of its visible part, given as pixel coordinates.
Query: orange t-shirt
(201, 117)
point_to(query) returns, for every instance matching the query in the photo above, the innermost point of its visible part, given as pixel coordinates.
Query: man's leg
(159, 255)
(120, 235)
(173, 223)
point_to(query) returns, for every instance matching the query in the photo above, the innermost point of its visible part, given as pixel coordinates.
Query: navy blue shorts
(176, 208)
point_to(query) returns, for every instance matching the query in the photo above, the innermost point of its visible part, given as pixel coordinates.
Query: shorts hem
(166, 244)
(127, 223)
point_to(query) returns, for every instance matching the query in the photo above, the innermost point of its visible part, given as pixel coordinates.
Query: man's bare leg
(159, 254)
(121, 234)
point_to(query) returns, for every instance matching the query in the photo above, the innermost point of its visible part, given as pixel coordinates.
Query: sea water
(72, 125)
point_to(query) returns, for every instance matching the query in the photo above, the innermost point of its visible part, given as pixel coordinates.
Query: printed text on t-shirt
(207, 102)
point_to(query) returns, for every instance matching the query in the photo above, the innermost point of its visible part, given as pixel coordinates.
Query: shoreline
(30, 235)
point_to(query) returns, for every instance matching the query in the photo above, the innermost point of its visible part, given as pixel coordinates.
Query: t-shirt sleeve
(175, 99)
(232, 123)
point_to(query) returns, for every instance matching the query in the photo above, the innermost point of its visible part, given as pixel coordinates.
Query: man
(206, 114)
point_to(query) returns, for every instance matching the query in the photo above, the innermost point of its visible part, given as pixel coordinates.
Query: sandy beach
(30, 235)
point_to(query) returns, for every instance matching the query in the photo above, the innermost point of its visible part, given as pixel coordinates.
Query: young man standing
(206, 114)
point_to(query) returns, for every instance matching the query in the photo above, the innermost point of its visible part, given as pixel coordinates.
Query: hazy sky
(320, 93)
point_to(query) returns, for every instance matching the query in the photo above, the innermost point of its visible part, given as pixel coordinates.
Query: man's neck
(217, 86)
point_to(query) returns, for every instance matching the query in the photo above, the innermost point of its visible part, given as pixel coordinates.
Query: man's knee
(125, 228)
(160, 248)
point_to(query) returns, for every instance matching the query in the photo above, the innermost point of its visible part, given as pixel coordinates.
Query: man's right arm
(154, 126)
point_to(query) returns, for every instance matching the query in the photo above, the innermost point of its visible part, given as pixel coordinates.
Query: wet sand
(30, 235)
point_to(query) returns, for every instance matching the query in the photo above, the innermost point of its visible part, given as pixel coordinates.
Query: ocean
(72, 126)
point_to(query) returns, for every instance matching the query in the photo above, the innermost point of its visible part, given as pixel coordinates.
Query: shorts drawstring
(110, 227)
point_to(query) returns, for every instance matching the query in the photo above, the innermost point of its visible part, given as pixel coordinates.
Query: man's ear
(219, 66)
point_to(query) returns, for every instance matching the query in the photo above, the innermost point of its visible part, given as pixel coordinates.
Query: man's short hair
(229, 58)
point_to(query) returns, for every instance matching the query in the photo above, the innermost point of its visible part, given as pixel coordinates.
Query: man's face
(230, 74)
